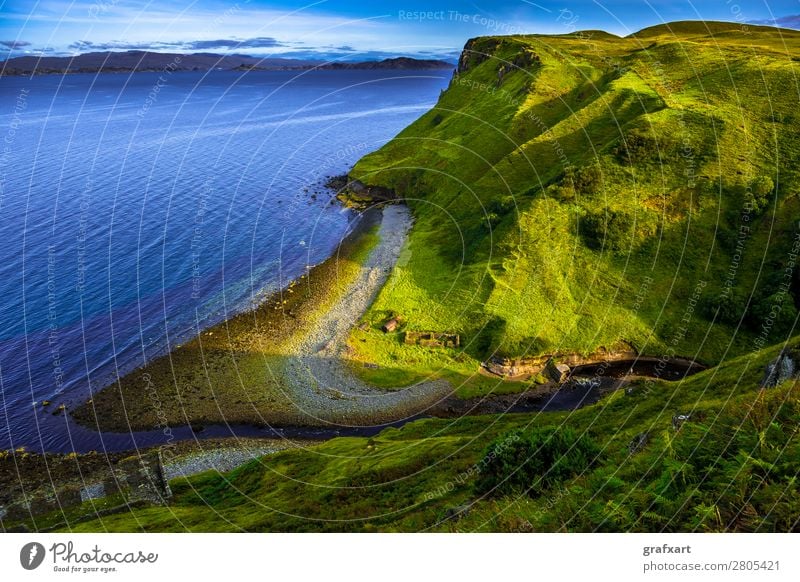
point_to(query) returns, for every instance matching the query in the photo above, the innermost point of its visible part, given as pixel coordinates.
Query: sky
(339, 29)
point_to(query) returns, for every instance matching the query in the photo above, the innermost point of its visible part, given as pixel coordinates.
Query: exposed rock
(590, 383)
(476, 51)
(525, 59)
(639, 442)
(93, 491)
(355, 193)
(144, 476)
(679, 419)
(556, 372)
(510, 367)
(530, 366)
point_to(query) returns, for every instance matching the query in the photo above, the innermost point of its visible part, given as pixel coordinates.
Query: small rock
(639, 442)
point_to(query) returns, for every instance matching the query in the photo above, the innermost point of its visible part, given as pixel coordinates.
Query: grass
(231, 373)
(732, 466)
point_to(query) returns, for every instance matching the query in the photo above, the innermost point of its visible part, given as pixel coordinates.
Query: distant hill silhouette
(140, 61)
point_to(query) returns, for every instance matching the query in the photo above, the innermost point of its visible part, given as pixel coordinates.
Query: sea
(138, 209)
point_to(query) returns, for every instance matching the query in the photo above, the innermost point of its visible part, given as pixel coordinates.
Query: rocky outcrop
(476, 51)
(142, 477)
(518, 367)
(372, 192)
(781, 368)
(479, 50)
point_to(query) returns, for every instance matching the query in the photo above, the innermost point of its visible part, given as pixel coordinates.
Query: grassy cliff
(572, 192)
(583, 190)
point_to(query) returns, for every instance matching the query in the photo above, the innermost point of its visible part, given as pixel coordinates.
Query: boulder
(556, 372)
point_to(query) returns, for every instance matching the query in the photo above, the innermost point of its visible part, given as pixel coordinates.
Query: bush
(496, 210)
(611, 229)
(639, 146)
(586, 180)
(727, 307)
(759, 192)
(775, 313)
(523, 462)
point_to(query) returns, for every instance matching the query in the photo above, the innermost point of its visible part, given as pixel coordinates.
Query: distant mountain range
(141, 61)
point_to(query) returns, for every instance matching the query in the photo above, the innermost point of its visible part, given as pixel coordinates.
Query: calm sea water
(138, 209)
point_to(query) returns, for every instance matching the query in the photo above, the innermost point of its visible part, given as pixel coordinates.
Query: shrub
(639, 146)
(530, 462)
(496, 211)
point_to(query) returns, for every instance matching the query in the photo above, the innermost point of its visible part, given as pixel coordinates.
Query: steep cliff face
(574, 191)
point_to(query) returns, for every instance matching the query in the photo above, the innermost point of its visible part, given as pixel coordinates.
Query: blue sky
(337, 29)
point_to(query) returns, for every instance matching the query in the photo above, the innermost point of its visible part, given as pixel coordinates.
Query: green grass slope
(575, 191)
(732, 466)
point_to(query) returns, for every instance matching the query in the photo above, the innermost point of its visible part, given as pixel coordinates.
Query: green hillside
(576, 191)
